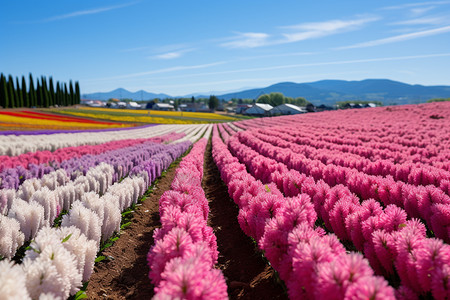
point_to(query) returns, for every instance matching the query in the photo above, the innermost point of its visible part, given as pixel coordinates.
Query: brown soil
(247, 274)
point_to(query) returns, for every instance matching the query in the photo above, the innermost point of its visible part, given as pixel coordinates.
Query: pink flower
(384, 248)
(440, 283)
(393, 218)
(440, 221)
(307, 255)
(370, 287)
(407, 245)
(191, 278)
(433, 255)
(175, 243)
(334, 278)
(340, 212)
(354, 221)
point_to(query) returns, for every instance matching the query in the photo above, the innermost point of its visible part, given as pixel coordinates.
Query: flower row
(12, 145)
(182, 259)
(413, 173)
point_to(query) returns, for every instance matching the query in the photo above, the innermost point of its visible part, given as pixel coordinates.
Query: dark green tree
(263, 99)
(18, 93)
(58, 95)
(4, 99)
(25, 98)
(45, 93)
(32, 92)
(71, 93)
(51, 91)
(40, 95)
(213, 102)
(11, 94)
(77, 93)
(66, 95)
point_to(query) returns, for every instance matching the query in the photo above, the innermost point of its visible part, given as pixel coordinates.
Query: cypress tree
(26, 99)
(40, 96)
(32, 92)
(46, 100)
(18, 94)
(58, 95)
(77, 93)
(52, 92)
(4, 99)
(66, 95)
(11, 94)
(71, 93)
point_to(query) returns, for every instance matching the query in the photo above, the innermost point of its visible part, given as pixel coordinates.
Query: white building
(162, 106)
(258, 109)
(287, 109)
(133, 105)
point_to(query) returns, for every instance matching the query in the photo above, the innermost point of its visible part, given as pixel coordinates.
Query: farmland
(350, 204)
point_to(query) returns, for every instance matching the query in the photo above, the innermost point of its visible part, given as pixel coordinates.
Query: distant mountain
(331, 91)
(319, 92)
(124, 94)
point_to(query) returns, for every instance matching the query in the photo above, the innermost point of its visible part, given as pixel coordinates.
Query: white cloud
(165, 70)
(408, 5)
(87, 12)
(423, 21)
(247, 40)
(421, 10)
(320, 29)
(313, 64)
(297, 33)
(399, 38)
(172, 54)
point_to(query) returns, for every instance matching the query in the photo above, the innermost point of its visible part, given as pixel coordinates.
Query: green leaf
(114, 239)
(100, 258)
(80, 295)
(127, 213)
(66, 238)
(106, 246)
(125, 225)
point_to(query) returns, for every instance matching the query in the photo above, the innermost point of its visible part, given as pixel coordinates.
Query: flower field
(28, 119)
(147, 116)
(351, 204)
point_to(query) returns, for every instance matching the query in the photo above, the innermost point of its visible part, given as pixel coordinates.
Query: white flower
(12, 281)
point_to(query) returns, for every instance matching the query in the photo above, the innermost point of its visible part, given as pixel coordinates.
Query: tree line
(276, 99)
(14, 93)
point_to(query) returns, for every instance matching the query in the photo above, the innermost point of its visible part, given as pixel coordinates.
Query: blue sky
(181, 47)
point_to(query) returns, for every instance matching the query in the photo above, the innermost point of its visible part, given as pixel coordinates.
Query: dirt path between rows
(126, 275)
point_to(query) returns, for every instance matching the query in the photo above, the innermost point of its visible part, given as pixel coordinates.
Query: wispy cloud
(418, 11)
(424, 21)
(164, 70)
(172, 54)
(313, 64)
(320, 29)
(247, 40)
(399, 38)
(418, 4)
(87, 12)
(296, 33)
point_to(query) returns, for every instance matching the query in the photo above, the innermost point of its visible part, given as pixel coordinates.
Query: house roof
(264, 106)
(290, 106)
(165, 105)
